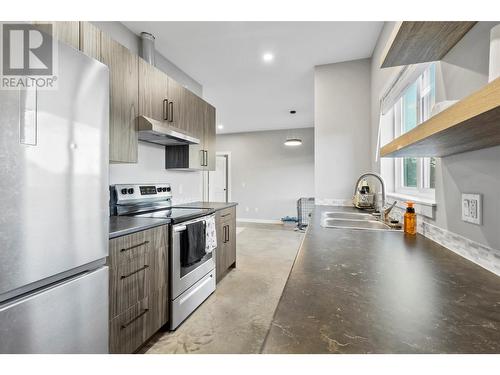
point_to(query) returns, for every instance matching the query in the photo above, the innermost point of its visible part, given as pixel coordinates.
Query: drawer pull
(225, 215)
(134, 272)
(134, 247)
(134, 319)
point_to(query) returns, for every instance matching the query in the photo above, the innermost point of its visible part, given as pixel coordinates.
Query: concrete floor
(236, 318)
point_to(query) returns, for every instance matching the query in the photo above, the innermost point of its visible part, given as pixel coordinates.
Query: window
(415, 176)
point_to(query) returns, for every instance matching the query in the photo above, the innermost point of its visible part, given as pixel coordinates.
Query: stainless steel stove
(189, 285)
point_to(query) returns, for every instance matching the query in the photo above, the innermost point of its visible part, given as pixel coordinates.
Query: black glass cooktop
(177, 215)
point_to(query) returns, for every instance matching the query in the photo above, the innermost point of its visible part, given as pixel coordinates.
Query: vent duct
(148, 47)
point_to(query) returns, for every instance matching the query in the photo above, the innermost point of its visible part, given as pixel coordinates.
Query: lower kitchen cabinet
(138, 288)
(226, 241)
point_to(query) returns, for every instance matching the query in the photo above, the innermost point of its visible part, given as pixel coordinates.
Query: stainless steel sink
(348, 215)
(352, 220)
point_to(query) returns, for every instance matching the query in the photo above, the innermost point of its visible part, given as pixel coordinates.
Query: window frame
(423, 189)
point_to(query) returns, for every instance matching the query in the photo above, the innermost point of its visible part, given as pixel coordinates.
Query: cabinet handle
(225, 215)
(165, 109)
(224, 234)
(202, 158)
(134, 319)
(171, 111)
(134, 246)
(227, 233)
(134, 272)
(206, 158)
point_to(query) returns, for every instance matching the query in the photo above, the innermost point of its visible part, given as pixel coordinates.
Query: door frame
(227, 155)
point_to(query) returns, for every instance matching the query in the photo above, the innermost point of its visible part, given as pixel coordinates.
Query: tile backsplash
(485, 256)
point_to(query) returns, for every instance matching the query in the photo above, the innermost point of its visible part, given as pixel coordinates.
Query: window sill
(423, 206)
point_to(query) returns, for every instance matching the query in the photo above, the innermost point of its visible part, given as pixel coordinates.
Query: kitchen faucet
(378, 177)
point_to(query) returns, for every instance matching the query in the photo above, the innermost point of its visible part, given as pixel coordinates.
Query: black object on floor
(193, 243)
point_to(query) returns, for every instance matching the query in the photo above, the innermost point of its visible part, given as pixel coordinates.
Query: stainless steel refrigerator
(54, 211)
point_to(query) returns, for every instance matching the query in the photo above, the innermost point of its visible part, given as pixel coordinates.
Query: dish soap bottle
(410, 219)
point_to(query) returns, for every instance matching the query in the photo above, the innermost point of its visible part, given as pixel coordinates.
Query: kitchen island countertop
(359, 291)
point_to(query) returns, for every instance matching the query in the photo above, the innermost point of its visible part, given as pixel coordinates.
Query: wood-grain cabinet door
(230, 240)
(90, 40)
(209, 137)
(220, 254)
(123, 70)
(177, 111)
(153, 92)
(65, 31)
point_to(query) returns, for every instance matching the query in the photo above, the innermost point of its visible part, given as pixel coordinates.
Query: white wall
(186, 186)
(463, 70)
(342, 128)
(268, 177)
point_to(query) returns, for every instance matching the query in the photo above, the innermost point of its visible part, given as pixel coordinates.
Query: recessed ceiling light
(268, 57)
(220, 126)
(293, 142)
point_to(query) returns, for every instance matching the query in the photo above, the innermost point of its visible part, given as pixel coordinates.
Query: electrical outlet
(471, 208)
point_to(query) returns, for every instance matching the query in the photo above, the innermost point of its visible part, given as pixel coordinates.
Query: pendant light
(291, 139)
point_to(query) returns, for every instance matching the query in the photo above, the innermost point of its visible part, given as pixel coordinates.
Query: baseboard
(262, 221)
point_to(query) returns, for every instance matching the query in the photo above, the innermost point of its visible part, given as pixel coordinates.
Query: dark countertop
(122, 225)
(383, 292)
(217, 206)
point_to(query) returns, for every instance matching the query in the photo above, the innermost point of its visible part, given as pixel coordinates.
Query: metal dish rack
(305, 207)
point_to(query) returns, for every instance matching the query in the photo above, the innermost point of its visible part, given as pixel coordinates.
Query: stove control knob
(168, 189)
(158, 189)
(130, 191)
(124, 191)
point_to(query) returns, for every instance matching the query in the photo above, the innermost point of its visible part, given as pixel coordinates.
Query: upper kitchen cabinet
(209, 137)
(124, 100)
(178, 110)
(90, 40)
(65, 31)
(153, 88)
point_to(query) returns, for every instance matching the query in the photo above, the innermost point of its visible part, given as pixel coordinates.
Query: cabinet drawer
(126, 248)
(130, 282)
(129, 330)
(227, 214)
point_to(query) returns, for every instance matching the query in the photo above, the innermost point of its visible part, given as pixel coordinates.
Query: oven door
(185, 277)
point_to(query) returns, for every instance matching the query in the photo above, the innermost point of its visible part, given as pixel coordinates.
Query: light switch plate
(472, 208)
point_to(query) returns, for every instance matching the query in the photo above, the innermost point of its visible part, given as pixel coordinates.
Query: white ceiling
(226, 58)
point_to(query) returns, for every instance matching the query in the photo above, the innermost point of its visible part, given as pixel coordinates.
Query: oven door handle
(179, 228)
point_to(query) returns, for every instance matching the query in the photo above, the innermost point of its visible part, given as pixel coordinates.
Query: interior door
(218, 185)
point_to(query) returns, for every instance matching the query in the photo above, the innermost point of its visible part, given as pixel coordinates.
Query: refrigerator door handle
(27, 116)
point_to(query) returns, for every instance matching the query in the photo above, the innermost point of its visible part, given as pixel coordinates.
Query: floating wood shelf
(414, 42)
(471, 124)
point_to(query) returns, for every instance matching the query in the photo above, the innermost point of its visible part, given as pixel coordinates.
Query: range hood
(154, 131)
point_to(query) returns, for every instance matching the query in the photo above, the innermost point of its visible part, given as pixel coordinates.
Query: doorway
(219, 180)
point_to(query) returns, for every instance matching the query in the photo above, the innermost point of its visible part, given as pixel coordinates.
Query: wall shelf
(471, 124)
(414, 42)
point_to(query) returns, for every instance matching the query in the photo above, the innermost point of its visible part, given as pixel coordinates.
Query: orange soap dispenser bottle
(410, 219)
